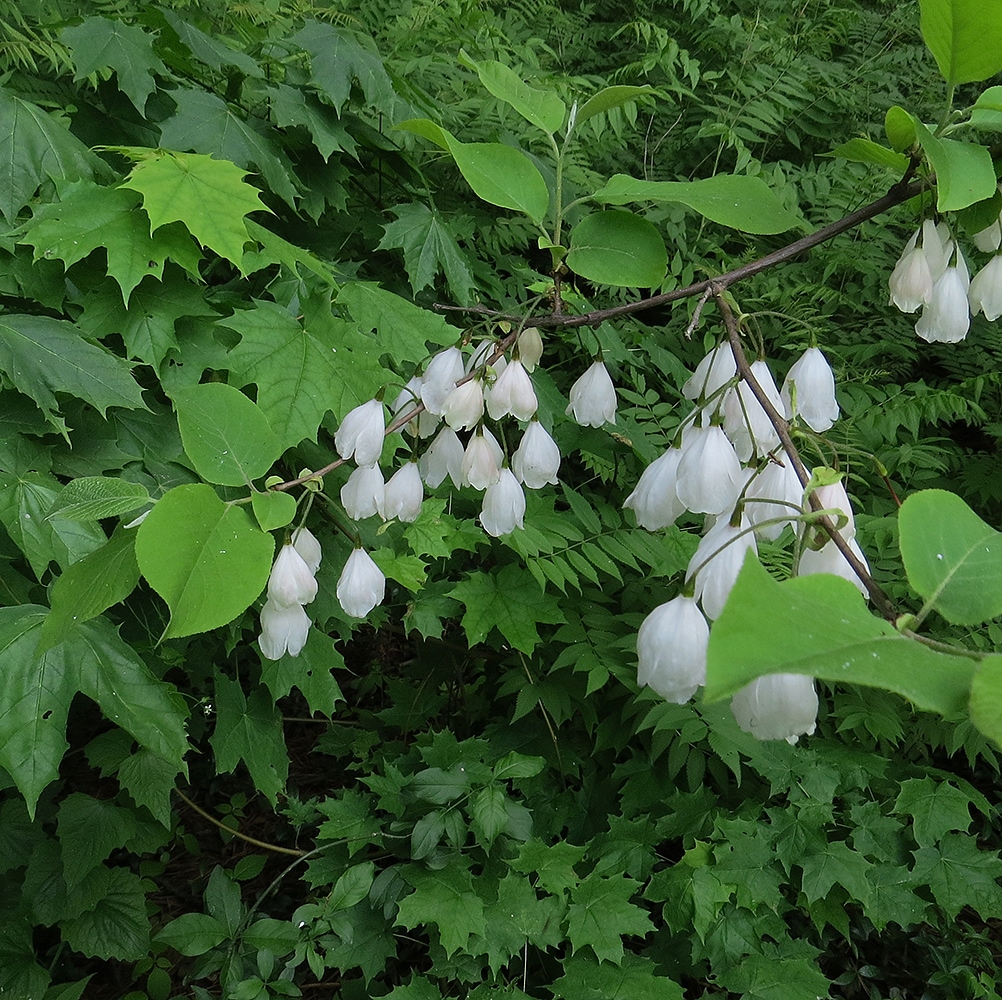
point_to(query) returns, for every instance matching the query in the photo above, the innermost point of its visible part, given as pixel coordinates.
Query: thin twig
(236, 833)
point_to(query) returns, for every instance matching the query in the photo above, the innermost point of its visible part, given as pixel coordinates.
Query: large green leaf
(618, 248)
(964, 170)
(964, 36)
(400, 327)
(42, 356)
(986, 698)
(541, 107)
(225, 434)
(117, 926)
(861, 150)
(952, 557)
(499, 174)
(208, 560)
(734, 200)
(609, 98)
(214, 52)
(94, 497)
(819, 625)
(987, 110)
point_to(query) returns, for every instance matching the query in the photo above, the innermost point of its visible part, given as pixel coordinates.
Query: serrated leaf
(100, 43)
(960, 874)
(837, 864)
(618, 248)
(936, 807)
(445, 899)
(517, 765)
(310, 672)
(774, 977)
(275, 250)
(399, 326)
(586, 979)
(150, 780)
(206, 559)
(192, 934)
(551, 864)
(42, 356)
(209, 197)
(519, 917)
(117, 926)
(91, 498)
(601, 912)
(214, 52)
(89, 830)
(408, 571)
(489, 814)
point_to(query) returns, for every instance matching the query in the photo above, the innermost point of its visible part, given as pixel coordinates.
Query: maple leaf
(960, 874)
(935, 808)
(446, 899)
(586, 979)
(601, 912)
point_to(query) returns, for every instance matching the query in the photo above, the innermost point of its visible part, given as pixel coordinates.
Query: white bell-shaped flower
(512, 393)
(809, 391)
(504, 505)
(989, 239)
(284, 629)
(655, 501)
(829, 559)
(947, 317)
(709, 473)
(485, 350)
(443, 372)
(464, 406)
(360, 435)
(404, 493)
(714, 371)
(834, 497)
(777, 482)
(777, 707)
(425, 423)
(481, 460)
(530, 348)
(361, 586)
(593, 398)
(363, 494)
(306, 544)
(671, 650)
(985, 293)
(911, 280)
(291, 581)
(716, 563)
(537, 459)
(938, 245)
(746, 422)
(444, 457)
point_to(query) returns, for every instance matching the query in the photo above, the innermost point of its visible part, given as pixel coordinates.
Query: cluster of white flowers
(292, 584)
(932, 275)
(729, 466)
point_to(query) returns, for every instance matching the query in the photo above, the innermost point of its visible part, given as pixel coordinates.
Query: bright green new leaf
(964, 36)
(867, 151)
(819, 625)
(618, 248)
(987, 110)
(42, 356)
(409, 571)
(100, 43)
(273, 509)
(94, 497)
(952, 557)
(446, 899)
(601, 913)
(609, 98)
(499, 174)
(192, 934)
(734, 200)
(543, 108)
(964, 170)
(899, 128)
(206, 559)
(225, 434)
(209, 196)
(986, 697)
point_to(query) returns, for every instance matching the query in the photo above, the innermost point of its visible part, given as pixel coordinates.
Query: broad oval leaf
(986, 698)
(225, 434)
(987, 110)
(273, 509)
(618, 248)
(952, 557)
(867, 151)
(900, 128)
(734, 200)
(543, 108)
(964, 170)
(964, 36)
(206, 559)
(192, 934)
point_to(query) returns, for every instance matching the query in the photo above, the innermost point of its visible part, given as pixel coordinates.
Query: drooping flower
(504, 505)
(537, 458)
(777, 707)
(989, 239)
(985, 293)
(291, 581)
(530, 348)
(479, 357)
(717, 561)
(654, 500)
(809, 391)
(284, 629)
(481, 460)
(947, 317)
(443, 372)
(829, 559)
(363, 494)
(444, 457)
(360, 435)
(671, 649)
(716, 369)
(306, 544)
(593, 397)
(512, 393)
(404, 494)
(778, 482)
(464, 406)
(361, 586)
(745, 421)
(911, 280)
(708, 472)
(425, 423)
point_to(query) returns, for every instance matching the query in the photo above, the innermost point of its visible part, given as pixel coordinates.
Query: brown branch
(782, 426)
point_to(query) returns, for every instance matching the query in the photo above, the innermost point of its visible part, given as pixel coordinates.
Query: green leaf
(214, 52)
(150, 780)
(609, 98)
(310, 672)
(551, 864)
(960, 874)
(94, 497)
(429, 247)
(446, 899)
(206, 559)
(277, 936)
(222, 900)
(225, 434)
(819, 625)
(89, 830)
(964, 170)
(986, 697)
(489, 814)
(35, 148)
(210, 197)
(734, 200)
(509, 601)
(517, 765)
(275, 250)
(399, 326)
(426, 834)
(601, 912)
(773, 977)
(899, 127)
(499, 174)
(42, 356)
(100, 43)
(635, 979)
(518, 918)
(273, 509)
(192, 934)
(250, 729)
(952, 557)
(836, 864)
(291, 106)
(936, 807)
(618, 248)
(964, 36)
(408, 571)
(440, 786)
(867, 151)
(352, 887)
(91, 585)
(117, 927)
(543, 108)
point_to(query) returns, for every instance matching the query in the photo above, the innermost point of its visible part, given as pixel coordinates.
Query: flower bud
(530, 348)
(291, 581)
